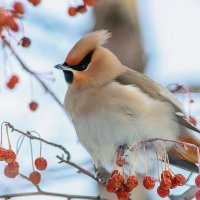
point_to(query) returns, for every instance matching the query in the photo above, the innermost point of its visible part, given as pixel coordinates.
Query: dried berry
(11, 173)
(33, 106)
(166, 174)
(10, 156)
(115, 172)
(18, 7)
(35, 177)
(198, 195)
(197, 181)
(174, 183)
(41, 163)
(163, 193)
(25, 42)
(72, 11)
(89, 2)
(149, 182)
(120, 161)
(131, 182)
(165, 183)
(180, 179)
(122, 194)
(35, 2)
(117, 180)
(109, 186)
(3, 154)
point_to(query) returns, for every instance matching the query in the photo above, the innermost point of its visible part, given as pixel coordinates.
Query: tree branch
(29, 135)
(46, 88)
(8, 196)
(80, 169)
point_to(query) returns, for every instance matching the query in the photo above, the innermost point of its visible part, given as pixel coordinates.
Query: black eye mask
(83, 65)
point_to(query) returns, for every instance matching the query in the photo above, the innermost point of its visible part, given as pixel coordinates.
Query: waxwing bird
(111, 105)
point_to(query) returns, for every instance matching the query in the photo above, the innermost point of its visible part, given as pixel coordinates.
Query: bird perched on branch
(111, 105)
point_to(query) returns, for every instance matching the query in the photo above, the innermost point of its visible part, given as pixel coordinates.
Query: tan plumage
(112, 105)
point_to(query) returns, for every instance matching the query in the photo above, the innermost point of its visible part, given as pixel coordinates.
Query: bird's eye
(83, 65)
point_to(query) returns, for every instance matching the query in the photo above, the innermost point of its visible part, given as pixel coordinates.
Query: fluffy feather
(87, 44)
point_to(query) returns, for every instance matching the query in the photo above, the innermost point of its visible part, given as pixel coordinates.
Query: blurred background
(159, 38)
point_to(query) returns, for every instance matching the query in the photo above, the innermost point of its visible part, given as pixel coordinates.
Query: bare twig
(26, 178)
(80, 169)
(46, 88)
(29, 135)
(8, 196)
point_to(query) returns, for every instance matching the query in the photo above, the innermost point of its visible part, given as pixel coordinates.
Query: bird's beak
(61, 66)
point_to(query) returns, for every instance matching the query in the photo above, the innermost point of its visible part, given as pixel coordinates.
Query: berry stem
(31, 147)
(145, 160)
(18, 146)
(40, 141)
(157, 162)
(9, 143)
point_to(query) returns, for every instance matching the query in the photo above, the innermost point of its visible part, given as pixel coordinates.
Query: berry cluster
(117, 184)
(35, 176)
(11, 170)
(169, 182)
(73, 10)
(12, 82)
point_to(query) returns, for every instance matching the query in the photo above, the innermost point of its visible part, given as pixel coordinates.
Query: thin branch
(26, 178)
(8, 196)
(29, 135)
(80, 169)
(46, 88)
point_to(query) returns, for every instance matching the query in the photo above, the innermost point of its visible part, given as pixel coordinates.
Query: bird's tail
(185, 156)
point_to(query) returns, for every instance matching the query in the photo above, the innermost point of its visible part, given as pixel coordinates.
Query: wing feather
(156, 91)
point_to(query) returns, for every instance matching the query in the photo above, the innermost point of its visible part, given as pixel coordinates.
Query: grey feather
(156, 91)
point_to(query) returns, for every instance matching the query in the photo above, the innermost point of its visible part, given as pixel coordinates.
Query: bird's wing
(156, 91)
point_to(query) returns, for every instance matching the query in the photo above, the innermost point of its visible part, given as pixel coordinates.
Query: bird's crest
(87, 44)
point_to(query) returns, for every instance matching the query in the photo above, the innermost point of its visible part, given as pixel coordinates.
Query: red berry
(10, 156)
(163, 193)
(18, 7)
(122, 194)
(35, 2)
(33, 106)
(149, 182)
(120, 161)
(41, 163)
(10, 85)
(174, 183)
(10, 22)
(35, 177)
(131, 182)
(25, 42)
(72, 11)
(3, 154)
(13, 166)
(180, 179)
(192, 120)
(115, 172)
(117, 180)
(198, 195)
(81, 9)
(11, 173)
(14, 79)
(109, 186)
(166, 174)
(197, 181)
(89, 2)
(165, 183)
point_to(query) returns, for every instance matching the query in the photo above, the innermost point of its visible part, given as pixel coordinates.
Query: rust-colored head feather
(86, 44)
